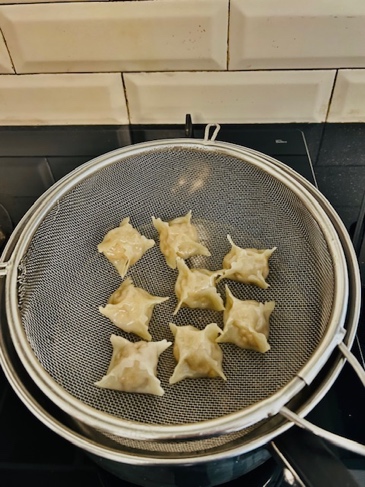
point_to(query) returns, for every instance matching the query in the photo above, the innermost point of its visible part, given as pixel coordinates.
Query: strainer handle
(216, 127)
(352, 360)
(295, 462)
(337, 440)
(3, 268)
(307, 461)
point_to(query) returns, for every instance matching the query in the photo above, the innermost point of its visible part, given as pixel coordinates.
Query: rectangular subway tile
(62, 99)
(160, 35)
(239, 97)
(283, 34)
(348, 101)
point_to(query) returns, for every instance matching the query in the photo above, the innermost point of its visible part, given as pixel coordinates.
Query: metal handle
(352, 360)
(214, 135)
(3, 268)
(337, 440)
(309, 460)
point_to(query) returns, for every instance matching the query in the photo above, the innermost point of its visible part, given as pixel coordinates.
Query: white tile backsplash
(5, 62)
(348, 101)
(287, 34)
(230, 97)
(62, 99)
(160, 35)
(244, 61)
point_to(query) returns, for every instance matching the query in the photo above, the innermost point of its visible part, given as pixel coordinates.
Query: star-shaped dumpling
(196, 352)
(130, 308)
(124, 246)
(249, 266)
(246, 323)
(178, 238)
(195, 288)
(133, 366)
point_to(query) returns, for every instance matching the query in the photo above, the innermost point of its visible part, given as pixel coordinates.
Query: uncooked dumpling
(178, 238)
(246, 323)
(130, 308)
(249, 266)
(133, 366)
(196, 352)
(124, 246)
(195, 288)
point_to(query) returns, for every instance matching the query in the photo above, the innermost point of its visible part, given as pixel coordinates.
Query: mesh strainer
(56, 280)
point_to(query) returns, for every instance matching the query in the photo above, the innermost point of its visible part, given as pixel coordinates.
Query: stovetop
(34, 158)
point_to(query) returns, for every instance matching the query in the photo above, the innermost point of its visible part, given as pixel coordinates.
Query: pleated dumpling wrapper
(195, 288)
(196, 352)
(249, 266)
(133, 366)
(130, 309)
(246, 323)
(124, 246)
(179, 238)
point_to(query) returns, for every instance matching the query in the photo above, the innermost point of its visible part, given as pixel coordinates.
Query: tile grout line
(8, 50)
(126, 97)
(228, 28)
(206, 71)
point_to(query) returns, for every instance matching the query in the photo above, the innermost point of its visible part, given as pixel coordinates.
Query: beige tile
(287, 34)
(62, 99)
(5, 63)
(348, 101)
(229, 97)
(160, 35)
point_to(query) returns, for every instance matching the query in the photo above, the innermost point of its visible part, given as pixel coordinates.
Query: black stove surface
(31, 160)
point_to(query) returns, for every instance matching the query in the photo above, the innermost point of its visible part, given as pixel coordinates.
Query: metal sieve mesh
(63, 279)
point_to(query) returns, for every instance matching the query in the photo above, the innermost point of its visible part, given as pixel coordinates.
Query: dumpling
(250, 266)
(246, 323)
(130, 308)
(124, 246)
(195, 288)
(196, 352)
(178, 238)
(133, 366)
